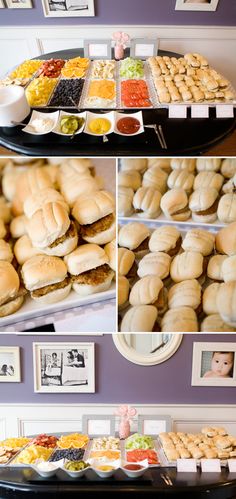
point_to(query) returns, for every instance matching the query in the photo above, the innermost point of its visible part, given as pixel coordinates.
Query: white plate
(77, 115)
(162, 220)
(38, 115)
(138, 116)
(91, 116)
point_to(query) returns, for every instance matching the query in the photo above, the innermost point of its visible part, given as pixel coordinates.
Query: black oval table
(190, 136)
(25, 483)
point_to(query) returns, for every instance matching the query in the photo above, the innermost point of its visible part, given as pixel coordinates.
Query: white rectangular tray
(162, 220)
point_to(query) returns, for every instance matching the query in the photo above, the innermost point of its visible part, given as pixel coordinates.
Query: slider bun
(227, 208)
(214, 324)
(201, 200)
(187, 265)
(226, 302)
(208, 164)
(103, 237)
(42, 270)
(48, 224)
(52, 171)
(138, 164)
(147, 200)
(10, 180)
(63, 248)
(156, 178)
(53, 296)
(125, 260)
(5, 211)
(125, 201)
(185, 294)
(229, 269)
(29, 182)
(3, 231)
(18, 226)
(228, 167)
(181, 319)
(230, 185)
(132, 235)
(209, 298)
(92, 207)
(110, 249)
(174, 201)
(155, 264)
(76, 185)
(11, 307)
(24, 250)
(163, 163)
(214, 268)
(164, 238)
(130, 178)
(84, 258)
(123, 292)
(181, 179)
(146, 290)
(207, 179)
(37, 200)
(9, 281)
(183, 164)
(5, 251)
(226, 240)
(199, 240)
(70, 167)
(90, 289)
(137, 319)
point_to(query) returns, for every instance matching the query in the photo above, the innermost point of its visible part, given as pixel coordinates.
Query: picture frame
(214, 364)
(68, 8)
(197, 5)
(96, 425)
(142, 48)
(19, 4)
(97, 49)
(153, 424)
(64, 367)
(10, 371)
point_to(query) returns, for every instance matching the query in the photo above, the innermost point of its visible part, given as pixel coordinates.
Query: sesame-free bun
(43, 270)
(183, 164)
(37, 200)
(208, 164)
(29, 182)
(199, 240)
(214, 268)
(123, 292)
(11, 307)
(24, 250)
(138, 164)
(141, 318)
(90, 289)
(214, 324)
(9, 282)
(209, 298)
(65, 247)
(110, 249)
(164, 238)
(86, 257)
(226, 240)
(104, 236)
(157, 263)
(181, 319)
(229, 268)
(147, 201)
(163, 163)
(207, 179)
(48, 224)
(133, 234)
(203, 204)
(18, 226)
(226, 211)
(174, 205)
(5, 251)
(77, 185)
(185, 294)
(3, 231)
(181, 179)
(53, 296)
(228, 167)
(226, 302)
(92, 207)
(125, 260)
(130, 178)
(187, 265)
(146, 290)
(125, 201)
(156, 178)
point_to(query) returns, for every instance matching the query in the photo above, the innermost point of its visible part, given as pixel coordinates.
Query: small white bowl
(137, 473)
(38, 115)
(13, 105)
(76, 474)
(104, 474)
(91, 116)
(45, 474)
(57, 129)
(138, 115)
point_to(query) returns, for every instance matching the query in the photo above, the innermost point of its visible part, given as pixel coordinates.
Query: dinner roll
(140, 318)
(199, 240)
(182, 319)
(174, 205)
(125, 260)
(146, 202)
(226, 302)
(185, 294)
(226, 240)
(214, 268)
(208, 164)
(226, 211)
(155, 264)
(125, 201)
(209, 298)
(166, 239)
(187, 265)
(146, 290)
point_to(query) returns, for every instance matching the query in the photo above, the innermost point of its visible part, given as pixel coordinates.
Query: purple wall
(117, 379)
(127, 12)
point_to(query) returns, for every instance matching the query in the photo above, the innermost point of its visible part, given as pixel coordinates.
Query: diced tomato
(137, 455)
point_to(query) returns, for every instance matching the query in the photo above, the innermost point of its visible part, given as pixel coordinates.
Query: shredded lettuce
(138, 441)
(131, 68)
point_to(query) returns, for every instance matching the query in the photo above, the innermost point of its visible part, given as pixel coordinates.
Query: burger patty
(22, 292)
(51, 287)
(143, 246)
(94, 276)
(209, 211)
(104, 223)
(175, 250)
(183, 210)
(70, 233)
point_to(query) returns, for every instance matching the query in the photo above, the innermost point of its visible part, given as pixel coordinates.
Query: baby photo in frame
(214, 364)
(200, 5)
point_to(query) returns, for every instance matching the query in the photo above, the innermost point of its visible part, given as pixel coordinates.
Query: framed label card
(153, 425)
(142, 48)
(98, 425)
(97, 49)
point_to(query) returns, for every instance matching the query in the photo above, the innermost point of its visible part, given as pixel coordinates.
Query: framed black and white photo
(68, 8)
(19, 4)
(214, 364)
(10, 364)
(200, 5)
(64, 367)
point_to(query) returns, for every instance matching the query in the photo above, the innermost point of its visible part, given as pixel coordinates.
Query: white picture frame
(153, 425)
(19, 4)
(197, 5)
(10, 371)
(64, 367)
(96, 425)
(214, 364)
(97, 49)
(2, 4)
(85, 8)
(142, 48)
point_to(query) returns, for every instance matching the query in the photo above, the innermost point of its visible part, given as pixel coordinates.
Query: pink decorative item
(121, 40)
(126, 413)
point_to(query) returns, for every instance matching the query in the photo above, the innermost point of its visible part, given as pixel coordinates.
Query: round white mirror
(147, 349)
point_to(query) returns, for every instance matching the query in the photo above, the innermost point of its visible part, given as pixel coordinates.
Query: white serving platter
(162, 220)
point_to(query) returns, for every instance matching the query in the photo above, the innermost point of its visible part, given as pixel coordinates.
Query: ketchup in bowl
(128, 125)
(133, 467)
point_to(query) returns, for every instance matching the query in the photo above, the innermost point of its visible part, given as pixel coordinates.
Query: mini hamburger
(174, 205)
(95, 214)
(11, 295)
(46, 278)
(203, 203)
(90, 270)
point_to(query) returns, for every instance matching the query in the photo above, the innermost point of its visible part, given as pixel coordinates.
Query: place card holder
(210, 466)
(153, 425)
(142, 48)
(97, 49)
(96, 425)
(232, 465)
(186, 465)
